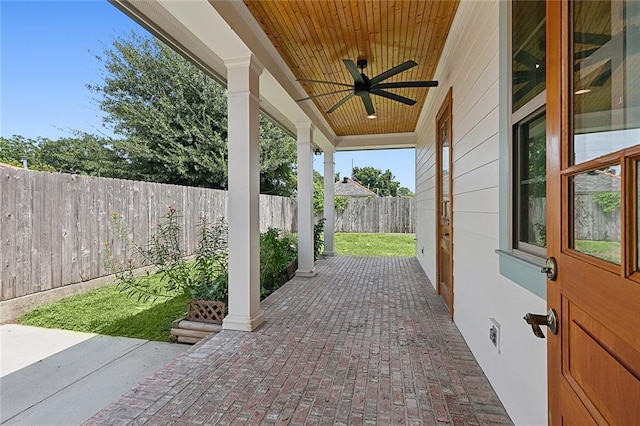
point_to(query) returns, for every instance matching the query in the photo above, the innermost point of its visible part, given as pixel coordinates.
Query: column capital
(244, 61)
(305, 126)
(329, 157)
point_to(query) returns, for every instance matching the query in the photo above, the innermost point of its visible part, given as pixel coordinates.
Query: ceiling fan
(364, 86)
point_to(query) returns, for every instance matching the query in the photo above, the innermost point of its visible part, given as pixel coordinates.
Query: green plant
(340, 202)
(204, 278)
(318, 242)
(276, 251)
(609, 202)
(211, 268)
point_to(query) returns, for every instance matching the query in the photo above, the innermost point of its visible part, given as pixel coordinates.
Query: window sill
(524, 270)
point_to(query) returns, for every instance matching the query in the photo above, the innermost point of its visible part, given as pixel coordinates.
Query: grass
(607, 250)
(375, 244)
(111, 312)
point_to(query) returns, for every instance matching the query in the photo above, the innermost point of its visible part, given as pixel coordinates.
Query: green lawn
(607, 250)
(375, 244)
(111, 312)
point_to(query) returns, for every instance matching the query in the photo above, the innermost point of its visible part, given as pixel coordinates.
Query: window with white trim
(528, 139)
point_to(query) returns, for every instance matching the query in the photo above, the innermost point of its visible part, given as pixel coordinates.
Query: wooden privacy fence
(377, 215)
(53, 226)
(591, 222)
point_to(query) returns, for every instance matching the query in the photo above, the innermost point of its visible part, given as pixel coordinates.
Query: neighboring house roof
(350, 188)
(597, 181)
(10, 166)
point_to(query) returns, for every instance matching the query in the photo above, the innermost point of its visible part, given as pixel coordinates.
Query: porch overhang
(210, 32)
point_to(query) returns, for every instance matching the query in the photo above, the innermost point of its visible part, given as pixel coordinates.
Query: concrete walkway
(58, 377)
(366, 341)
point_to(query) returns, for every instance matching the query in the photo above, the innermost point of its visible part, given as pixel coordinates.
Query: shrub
(318, 242)
(207, 277)
(204, 278)
(276, 251)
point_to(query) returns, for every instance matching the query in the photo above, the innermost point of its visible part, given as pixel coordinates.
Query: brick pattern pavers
(366, 341)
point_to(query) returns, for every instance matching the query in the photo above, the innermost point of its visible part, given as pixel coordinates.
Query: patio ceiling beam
(379, 141)
(197, 31)
(245, 26)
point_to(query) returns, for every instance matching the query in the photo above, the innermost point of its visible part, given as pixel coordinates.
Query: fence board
(8, 229)
(377, 215)
(53, 226)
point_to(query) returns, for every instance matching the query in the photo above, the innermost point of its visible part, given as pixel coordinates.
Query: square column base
(240, 323)
(328, 253)
(307, 273)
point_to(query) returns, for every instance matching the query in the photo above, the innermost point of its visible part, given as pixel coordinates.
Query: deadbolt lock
(550, 269)
(550, 320)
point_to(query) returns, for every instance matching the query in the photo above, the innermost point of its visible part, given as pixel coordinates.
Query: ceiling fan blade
(353, 70)
(393, 96)
(402, 84)
(604, 75)
(523, 91)
(340, 102)
(366, 99)
(324, 94)
(393, 71)
(591, 38)
(585, 53)
(305, 80)
(527, 59)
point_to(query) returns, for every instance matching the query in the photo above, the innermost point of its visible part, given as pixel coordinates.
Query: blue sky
(47, 57)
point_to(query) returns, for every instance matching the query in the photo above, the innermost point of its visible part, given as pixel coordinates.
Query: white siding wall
(470, 65)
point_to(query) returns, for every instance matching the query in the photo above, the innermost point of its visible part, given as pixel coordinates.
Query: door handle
(536, 320)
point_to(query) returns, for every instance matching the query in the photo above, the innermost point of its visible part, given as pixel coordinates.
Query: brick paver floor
(366, 341)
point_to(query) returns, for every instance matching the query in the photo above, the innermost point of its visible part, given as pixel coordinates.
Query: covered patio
(365, 341)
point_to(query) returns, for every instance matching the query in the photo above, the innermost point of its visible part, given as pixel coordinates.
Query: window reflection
(530, 151)
(596, 213)
(528, 50)
(606, 80)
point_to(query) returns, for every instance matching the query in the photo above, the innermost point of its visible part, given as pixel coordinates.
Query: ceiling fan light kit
(364, 87)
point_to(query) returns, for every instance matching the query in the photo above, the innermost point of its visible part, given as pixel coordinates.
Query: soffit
(313, 37)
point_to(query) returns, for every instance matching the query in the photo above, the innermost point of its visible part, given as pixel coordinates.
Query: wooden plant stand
(203, 318)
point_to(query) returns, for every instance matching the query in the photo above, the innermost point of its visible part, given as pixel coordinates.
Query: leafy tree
(404, 192)
(277, 159)
(16, 148)
(318, 193)
(383, 184)
(339, 201)
(173, 119)
(85, 154)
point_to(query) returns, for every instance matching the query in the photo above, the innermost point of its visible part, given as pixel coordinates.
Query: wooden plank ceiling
(314, 37)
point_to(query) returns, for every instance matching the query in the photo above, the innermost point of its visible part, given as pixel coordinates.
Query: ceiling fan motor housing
(362, 87)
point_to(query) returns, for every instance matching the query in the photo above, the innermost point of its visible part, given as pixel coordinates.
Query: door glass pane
(638, 209)
(596, 213)
(532, 182)
(444, 129)
(528, 50)
(606, 78)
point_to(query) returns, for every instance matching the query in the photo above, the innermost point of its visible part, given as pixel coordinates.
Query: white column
(306, 264)
(244, 192)
(329, 202)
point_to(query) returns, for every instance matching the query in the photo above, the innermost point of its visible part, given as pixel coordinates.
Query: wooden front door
(593, 166)
(444, 225)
